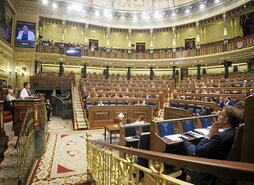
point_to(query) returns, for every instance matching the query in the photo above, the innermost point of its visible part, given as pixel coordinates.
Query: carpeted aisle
(65, 159)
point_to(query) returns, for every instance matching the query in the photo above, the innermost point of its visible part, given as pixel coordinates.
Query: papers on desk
(194, 134)
(176, 137)
(202, 131)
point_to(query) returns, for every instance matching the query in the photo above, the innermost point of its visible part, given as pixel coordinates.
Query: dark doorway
(140, 47)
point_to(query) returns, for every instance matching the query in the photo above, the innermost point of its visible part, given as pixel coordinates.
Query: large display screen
(6, 21)
(73, 52)
(25, 34)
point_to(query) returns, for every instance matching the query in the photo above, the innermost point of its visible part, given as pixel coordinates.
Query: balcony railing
(206, 49)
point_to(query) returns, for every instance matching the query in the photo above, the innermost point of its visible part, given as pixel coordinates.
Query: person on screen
(25, 34)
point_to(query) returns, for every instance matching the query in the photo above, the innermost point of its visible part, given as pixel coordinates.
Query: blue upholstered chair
(188, 125)
(206, 122)
(166, 128)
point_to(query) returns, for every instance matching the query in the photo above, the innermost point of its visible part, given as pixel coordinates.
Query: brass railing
(26, 148)
(107, 168)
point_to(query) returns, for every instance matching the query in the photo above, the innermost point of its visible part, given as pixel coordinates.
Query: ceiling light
(187, 11)
(69, 8)
(155, 15)
(217, 1)
(105, 12)
(54, 5)
(45, 2)
(97, 13)
(173, 14)
(144, 15)
(201, 6)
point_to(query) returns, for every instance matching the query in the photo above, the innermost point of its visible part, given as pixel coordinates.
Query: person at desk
(68, 96)
(140, 119)
(25, 92)
(216, 145)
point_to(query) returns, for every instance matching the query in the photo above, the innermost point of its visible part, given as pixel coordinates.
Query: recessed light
(45, 2)
(54, 5)
(201, 6)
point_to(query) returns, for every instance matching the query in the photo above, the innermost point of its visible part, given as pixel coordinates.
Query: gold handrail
(23, 143)
(102, 160)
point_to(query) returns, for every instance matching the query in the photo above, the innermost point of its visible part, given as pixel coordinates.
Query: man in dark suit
(216, 145)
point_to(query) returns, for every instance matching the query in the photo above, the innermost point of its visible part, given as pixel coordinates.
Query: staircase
(9, 166)
(79, 112)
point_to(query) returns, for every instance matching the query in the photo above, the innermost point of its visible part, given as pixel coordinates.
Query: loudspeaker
(204, 71)
(235, 69)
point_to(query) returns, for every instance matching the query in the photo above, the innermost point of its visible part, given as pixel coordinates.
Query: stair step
(8, 174)
(9, 163)
(13, 141)
(10, 152)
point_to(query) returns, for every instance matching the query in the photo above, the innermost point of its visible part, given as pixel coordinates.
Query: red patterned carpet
(65, 159)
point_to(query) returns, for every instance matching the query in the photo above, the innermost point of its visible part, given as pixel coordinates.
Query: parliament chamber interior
(126, 92)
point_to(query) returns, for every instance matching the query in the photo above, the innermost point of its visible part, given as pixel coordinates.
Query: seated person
(216, 145)
(68, 96)
(10, 96)
(203, 111)
(140, 119)
(25, 92)
(100, 103)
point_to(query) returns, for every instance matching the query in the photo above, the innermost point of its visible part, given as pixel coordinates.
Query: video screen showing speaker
(73, 52)
(25, 34)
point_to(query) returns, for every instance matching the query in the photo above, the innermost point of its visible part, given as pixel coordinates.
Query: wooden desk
(99, 116)
(173, 113)
(20, 108)
(111, 129)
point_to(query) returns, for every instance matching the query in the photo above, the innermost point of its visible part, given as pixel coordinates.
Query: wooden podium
(20, 108)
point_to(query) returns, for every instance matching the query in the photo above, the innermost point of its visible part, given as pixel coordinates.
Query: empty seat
(144, 143)
(206, 122)
(112, 102)
(166, 128)
(173, 104)
(191, 108)
(146, 128)
(182, 105)
(188, 125)
(129, 130)
(119, 102)
(105, 102)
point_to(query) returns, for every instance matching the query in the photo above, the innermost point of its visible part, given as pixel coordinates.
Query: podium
(20, 108)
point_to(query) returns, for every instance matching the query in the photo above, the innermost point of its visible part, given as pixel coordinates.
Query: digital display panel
(73, 52)
(25, 34)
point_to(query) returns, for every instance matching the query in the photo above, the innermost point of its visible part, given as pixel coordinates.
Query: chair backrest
(173, 104)
(130, 131)
(188, 125)
(236, 149)
(206, 122)
(144, 144)
(166, 128)
(146, 128)
(182, 105)
(116, 120)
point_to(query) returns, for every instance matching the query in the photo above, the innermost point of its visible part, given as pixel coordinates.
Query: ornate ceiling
(131, 5)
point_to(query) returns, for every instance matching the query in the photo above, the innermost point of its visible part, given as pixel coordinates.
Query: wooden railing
(208, 49)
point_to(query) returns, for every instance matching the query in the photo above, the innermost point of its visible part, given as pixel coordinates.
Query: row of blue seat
(171, 127)
(191, 107)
